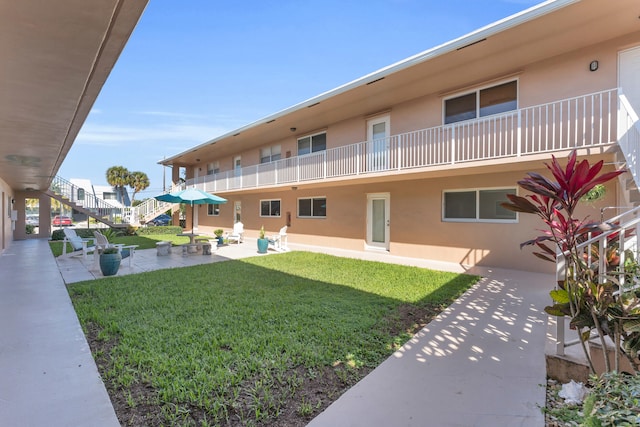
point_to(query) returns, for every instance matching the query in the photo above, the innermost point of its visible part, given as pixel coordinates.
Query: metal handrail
(577, 122)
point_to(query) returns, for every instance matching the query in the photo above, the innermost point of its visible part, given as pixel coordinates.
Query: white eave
(445, 48)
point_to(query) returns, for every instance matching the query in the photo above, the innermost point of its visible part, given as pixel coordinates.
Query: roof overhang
(55, 56)
(543, 31)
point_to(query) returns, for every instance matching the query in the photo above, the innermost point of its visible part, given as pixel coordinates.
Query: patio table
(191, 236)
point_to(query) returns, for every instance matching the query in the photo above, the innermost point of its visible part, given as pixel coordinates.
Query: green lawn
(244, 342)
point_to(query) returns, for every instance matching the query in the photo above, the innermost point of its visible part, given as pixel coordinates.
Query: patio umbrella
(191, 196)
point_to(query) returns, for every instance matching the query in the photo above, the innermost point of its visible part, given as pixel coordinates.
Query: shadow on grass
(265, 340)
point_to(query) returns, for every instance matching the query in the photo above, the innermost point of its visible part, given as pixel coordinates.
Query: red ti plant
(555, 201)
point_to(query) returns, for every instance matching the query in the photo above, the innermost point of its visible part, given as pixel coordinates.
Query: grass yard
(260, 341)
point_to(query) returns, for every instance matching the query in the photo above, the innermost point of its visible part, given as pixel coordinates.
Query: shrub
(81, 232)
(162, 229)
(613, 400)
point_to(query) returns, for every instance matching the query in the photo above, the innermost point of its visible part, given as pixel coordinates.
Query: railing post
(453, 145)
(519, 134)
(324, 163)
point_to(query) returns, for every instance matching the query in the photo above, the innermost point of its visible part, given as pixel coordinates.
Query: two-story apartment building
(415, 159)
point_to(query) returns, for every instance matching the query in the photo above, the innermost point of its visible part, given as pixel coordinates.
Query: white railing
(584, 121)
(622, 239)
(629, 137)
(111, 212)
(149, 208)
(625, 237)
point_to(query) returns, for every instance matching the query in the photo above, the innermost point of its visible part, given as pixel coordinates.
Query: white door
(237, 207)
(628, 72)
(378, 144)
(378, 222)
(237, 172)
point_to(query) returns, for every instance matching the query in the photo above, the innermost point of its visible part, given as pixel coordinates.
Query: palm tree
(118, 177)
(138, 181)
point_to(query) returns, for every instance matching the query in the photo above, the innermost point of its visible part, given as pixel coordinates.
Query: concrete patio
(480, 363)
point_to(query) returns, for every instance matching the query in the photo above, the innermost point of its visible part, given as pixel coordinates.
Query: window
(213, 210)
(80, 193)
(270, 154)
(109, 196)
(478, 205)
(315, 207)
(270, 208)
(481, 103)
(312, 143)
(213, 168)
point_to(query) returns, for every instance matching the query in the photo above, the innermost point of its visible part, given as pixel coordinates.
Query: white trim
(476, 90)
(477, 219)
(309, 198)
(450, 46)
(369, 244)
(270, 216)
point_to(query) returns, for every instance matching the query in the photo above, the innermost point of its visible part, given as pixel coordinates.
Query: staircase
(101, 210)
(109, 213)
(625, 236)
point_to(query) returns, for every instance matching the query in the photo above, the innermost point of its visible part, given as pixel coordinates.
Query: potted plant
(110, 261)
(219, 232)
(263, 244)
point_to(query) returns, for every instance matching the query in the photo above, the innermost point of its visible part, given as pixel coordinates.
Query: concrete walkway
(47, 374)
(480, 363)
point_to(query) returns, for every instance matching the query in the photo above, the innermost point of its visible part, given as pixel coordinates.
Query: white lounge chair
(80, 245)
(237, 235)
(278, 242)
(102, 243)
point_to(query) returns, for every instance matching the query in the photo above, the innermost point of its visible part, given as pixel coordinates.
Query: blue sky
(193, 70)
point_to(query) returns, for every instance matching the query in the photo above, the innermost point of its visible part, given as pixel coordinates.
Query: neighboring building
(415, 159)
(119, 198)
(55, 58)
(89, 196)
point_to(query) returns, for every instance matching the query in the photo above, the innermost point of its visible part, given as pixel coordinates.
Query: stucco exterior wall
(6, 232)
(417, 228)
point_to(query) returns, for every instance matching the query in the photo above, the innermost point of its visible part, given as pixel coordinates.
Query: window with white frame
(270, 208)
(213, 168)
(312, 143)
(482, 102)
(270, 154)
(312, 207)
(213, 209)
(481, 205)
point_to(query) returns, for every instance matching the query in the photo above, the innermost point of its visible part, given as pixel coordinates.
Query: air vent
(377, 80)
(313, 105)
(471, 44)
(271, 121)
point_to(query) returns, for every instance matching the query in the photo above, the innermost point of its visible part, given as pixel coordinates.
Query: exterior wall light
(593, 66)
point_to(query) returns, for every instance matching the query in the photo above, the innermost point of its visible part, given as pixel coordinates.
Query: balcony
(580, 122)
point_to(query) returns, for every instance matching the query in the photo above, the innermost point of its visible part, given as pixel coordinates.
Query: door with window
(378, 144)
(378, 221)
(237, 172)
(237, 208)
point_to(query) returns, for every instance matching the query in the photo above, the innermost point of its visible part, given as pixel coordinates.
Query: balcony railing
(584, 121)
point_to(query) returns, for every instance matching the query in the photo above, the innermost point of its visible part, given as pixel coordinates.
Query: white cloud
(117, 135)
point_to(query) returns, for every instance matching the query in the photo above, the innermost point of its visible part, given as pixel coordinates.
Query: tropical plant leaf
(559, 310)
(632, 325)
(560, 296)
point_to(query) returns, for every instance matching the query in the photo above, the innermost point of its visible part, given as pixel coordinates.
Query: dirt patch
(315, 389)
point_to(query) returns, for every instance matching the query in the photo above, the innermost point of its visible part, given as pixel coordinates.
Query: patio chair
(103, 243)
(80, 246)
(237, 235)
(278, 242)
